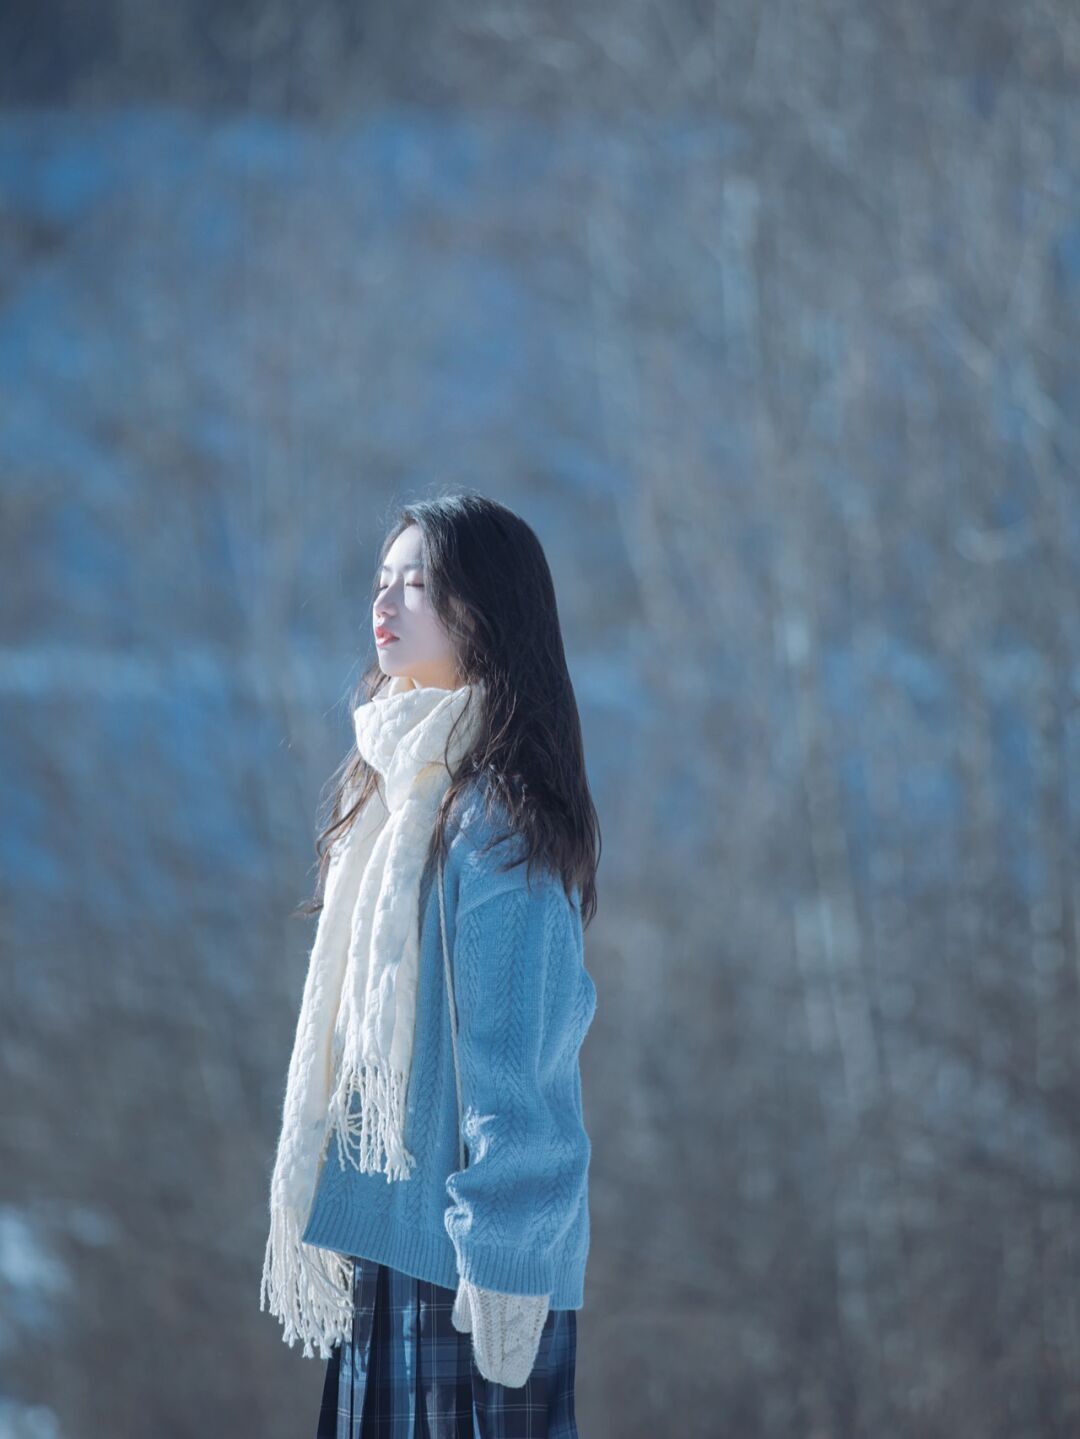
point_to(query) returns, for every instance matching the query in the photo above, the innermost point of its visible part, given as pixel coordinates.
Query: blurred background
(765, 317)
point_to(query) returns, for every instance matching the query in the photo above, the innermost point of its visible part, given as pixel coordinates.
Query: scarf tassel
(309, 1289)
(374, 1134)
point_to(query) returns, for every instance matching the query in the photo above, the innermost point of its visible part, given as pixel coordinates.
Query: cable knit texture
(506, 1331)
(517, 1224)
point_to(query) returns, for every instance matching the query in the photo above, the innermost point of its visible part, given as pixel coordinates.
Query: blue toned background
(765, 317)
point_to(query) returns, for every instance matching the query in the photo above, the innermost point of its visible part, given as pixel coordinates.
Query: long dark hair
(489, 583)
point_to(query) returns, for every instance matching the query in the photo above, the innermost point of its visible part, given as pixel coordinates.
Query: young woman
(444, 1008)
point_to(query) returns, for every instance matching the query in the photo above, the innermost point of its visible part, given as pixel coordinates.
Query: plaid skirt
(407, 1373)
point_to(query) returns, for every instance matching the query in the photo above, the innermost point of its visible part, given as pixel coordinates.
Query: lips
(383, 635)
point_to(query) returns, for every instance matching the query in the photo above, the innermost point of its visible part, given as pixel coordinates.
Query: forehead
(406, 550)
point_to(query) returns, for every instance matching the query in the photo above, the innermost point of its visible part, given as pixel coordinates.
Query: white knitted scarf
(354, 1035)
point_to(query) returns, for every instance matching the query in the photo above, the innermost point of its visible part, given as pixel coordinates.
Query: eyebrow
(413, 565)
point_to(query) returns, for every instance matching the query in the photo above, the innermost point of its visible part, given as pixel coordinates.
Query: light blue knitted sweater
(516, 1218)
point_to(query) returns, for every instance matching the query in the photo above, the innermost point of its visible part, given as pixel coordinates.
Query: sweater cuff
(508, 1271)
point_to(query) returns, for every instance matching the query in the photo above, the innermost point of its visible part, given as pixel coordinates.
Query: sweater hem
(433, 1257)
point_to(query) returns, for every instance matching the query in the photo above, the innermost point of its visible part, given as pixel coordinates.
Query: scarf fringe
(375, 1134)
(309, 1289)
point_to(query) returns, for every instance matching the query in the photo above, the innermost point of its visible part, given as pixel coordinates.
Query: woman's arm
(516, 979)
(517, 961)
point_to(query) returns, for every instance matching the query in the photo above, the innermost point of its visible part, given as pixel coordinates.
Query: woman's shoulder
(489, 854)
(482, 836)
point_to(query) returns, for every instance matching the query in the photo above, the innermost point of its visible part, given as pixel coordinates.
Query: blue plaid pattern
(407, 1373)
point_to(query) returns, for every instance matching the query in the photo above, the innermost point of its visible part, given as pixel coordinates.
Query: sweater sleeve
(516, 977)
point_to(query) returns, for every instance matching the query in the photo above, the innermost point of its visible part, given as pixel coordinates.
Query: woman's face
(422, 649)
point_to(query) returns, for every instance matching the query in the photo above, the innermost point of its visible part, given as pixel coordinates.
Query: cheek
(428, 630)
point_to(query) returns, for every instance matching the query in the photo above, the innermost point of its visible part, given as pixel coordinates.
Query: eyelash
(416, 585)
